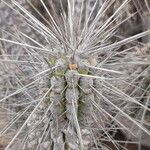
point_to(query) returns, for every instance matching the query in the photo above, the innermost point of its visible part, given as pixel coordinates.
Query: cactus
(74, 73)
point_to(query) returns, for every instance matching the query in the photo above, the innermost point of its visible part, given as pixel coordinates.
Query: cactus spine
(72, 77)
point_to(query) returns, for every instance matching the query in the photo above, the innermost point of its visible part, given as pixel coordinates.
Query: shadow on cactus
(72, 74)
